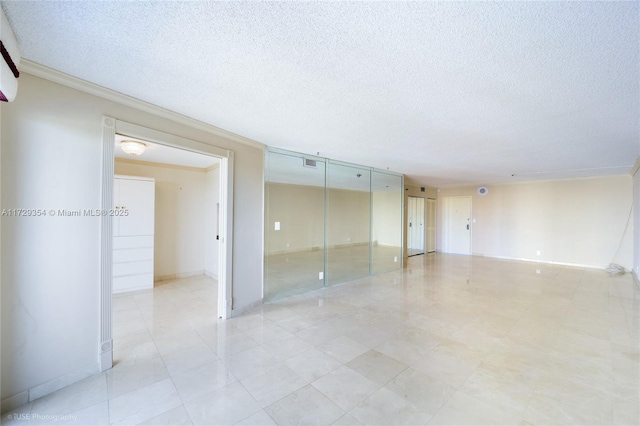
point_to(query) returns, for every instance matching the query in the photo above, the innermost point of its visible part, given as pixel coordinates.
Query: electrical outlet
(276, 226)
(538, 271)
(320, 275)
(395, 259)
(538, 253)
(320, 303)
(287, 245)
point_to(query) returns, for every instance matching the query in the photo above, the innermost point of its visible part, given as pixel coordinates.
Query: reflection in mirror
(348, 222)
(294, 225)
(386, 222)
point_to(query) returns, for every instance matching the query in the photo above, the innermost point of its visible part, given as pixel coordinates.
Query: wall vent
(422, 189)
(306, 162)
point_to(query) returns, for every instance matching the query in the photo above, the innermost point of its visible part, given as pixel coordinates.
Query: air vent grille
(306, 162)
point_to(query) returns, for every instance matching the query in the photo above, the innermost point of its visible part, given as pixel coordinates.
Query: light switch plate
(277, 226)
(320, 275)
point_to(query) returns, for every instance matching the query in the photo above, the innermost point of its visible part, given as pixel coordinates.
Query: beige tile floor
(448, 340)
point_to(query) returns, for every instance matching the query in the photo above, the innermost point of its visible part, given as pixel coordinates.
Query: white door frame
(417, 216)
(111, 126)
(431, 243)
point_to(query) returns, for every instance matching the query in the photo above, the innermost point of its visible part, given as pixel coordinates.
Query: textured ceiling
(448, 93)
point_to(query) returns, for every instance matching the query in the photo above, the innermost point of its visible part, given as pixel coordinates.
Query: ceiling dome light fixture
(132, 147)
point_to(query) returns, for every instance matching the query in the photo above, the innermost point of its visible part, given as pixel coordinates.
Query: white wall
(573, 221)
(182, 221)
(636, 220)
(51, 159)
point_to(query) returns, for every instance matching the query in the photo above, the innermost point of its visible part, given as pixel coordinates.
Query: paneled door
(457, 225)
(136, 198)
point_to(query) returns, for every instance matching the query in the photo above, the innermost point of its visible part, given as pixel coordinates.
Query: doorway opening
(416, 228)
(170, 199)
(170, 229)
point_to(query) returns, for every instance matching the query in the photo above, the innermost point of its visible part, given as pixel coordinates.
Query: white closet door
(431, 225)
(133, 234)
(419, 230)
(138, 198)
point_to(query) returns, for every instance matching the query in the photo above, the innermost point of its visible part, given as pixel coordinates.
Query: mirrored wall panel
(327, 222)
(294, 224)
(386, 214)
(348, 222)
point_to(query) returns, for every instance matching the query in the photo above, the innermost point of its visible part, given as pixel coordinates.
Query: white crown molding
(166, 165)
(212, 168)
(50, 74)
(635, 167)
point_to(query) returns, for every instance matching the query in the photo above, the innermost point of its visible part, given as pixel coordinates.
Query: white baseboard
(548, 262)
(30, 395)
(132, 289)
(179, 275)
(211, 275)
(239, 311)
(15, 401)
